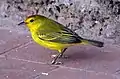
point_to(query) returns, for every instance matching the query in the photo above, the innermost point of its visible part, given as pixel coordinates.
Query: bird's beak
(22, 23)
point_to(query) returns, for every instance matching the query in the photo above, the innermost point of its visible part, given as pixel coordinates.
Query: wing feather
(56, 32)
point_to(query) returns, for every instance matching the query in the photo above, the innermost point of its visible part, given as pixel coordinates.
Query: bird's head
(33, 21)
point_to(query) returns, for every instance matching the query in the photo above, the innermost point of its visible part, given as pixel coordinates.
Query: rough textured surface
(94, 19)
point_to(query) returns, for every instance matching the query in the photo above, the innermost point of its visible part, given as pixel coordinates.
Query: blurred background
(93, 19)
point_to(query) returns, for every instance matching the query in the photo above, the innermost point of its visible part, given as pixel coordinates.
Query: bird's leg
(61, 54)
(54, 60)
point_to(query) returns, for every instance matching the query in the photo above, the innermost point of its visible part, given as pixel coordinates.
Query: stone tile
(92, 58)
(33, 52)
(10, 39)
(21, 69)
(88, 58)
(82, 57)
(67, 73)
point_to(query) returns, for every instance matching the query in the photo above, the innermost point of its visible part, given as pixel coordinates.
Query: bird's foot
(56, 63)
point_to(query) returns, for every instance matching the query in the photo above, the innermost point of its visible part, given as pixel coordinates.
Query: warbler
(53, 35)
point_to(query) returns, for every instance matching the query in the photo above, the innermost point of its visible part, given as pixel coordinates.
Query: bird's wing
(56, 32)
(65, 36)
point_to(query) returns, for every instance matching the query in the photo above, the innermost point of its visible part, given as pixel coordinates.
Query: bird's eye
(31, 20)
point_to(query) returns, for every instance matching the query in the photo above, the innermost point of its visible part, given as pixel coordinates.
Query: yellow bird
(53, 35)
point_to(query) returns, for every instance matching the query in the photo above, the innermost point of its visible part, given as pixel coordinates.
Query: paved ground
(24, 59)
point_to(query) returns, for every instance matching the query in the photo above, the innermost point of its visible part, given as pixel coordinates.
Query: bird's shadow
(84, 53)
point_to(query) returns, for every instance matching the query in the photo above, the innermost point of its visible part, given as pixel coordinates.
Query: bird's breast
(48, 44)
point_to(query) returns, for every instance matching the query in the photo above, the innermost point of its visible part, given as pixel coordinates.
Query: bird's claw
(56, 63)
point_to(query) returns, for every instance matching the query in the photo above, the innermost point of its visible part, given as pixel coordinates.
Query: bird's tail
(93, 42)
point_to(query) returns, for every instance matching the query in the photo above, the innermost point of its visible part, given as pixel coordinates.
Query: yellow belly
(51, 45)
